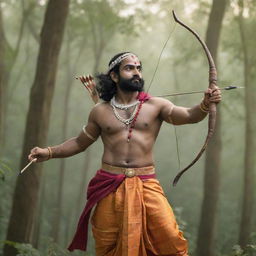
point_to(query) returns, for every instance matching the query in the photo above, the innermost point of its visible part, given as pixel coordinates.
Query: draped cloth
(137, 220)
(100, 186)
(132, 218)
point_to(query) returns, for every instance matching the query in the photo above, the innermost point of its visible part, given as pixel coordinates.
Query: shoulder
(161, 102)
(99, 107)
(98, 110)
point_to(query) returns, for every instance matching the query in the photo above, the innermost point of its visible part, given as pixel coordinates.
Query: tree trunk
(250, 140)
(58, 213)
(207, 226)
(2, 75)
(27, 186)
(69, 83)
(8, 57)
(39, 215)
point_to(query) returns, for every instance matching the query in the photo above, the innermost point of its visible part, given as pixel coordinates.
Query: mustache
(136, 78)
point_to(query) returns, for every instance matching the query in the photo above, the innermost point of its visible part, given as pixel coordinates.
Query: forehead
(130, 60)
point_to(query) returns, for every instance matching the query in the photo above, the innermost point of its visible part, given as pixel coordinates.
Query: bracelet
(50, 153)
(203, 107)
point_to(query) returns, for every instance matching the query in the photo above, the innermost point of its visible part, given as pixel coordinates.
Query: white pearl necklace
(123, 106)
(121, 119)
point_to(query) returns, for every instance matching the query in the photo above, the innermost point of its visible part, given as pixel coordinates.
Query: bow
(212, 106)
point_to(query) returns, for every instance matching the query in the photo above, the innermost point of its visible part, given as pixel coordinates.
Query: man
(132, 217)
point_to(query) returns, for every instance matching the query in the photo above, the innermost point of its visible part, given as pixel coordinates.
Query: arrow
(231, 87)
(32, 161)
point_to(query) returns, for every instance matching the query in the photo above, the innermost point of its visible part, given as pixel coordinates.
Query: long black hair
(106, 87)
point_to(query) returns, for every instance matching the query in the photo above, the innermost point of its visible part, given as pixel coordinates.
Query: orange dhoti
(137, 220)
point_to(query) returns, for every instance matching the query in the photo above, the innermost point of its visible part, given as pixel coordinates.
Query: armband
(88, 134)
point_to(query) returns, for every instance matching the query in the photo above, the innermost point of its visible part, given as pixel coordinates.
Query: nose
(137, 72)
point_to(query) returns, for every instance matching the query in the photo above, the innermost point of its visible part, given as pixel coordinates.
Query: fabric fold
(99, 187)
(136, 220)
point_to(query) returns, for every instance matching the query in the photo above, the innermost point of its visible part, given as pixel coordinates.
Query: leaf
(23, 249)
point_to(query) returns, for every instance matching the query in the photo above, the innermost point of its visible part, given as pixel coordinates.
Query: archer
(132, 217)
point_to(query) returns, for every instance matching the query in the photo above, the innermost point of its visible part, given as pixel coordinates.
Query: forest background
(44, 45)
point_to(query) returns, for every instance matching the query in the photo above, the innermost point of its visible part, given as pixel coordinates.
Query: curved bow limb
(212, 106)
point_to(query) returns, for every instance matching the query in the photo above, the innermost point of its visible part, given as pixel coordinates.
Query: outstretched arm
(181, 115)
(72, 146)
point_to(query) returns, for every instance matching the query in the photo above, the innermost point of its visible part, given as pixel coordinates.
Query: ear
(114, 76)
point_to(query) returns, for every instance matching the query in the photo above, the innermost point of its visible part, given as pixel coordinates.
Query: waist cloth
(132, 216)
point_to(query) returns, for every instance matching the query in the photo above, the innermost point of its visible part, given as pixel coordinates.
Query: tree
(206, 233)
(103, 21)
(23, 212)
(250, 141)
(71, 67)
(8, 57)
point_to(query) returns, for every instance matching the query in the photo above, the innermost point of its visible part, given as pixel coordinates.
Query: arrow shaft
(32, 161)
(201, 91)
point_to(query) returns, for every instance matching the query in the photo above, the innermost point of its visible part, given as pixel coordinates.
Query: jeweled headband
(119, 59)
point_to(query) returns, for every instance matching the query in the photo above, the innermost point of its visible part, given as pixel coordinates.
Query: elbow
(194, 120)
(80, 146)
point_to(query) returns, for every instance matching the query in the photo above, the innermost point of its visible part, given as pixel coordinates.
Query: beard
(135, 84)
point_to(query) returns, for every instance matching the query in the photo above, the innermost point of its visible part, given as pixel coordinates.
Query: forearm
(68, 148)
(198, 113)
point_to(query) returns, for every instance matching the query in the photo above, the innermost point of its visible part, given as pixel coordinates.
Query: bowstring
(160, 56)
(177, 146)
(152, 79)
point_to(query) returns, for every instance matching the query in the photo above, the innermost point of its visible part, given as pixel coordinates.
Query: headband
(119, 59)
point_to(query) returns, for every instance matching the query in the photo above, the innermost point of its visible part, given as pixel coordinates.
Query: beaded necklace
(123, 106)
(133, 122)
(142, 97)
(121, 119)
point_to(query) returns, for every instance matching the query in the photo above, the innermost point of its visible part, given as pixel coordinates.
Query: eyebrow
(132, 65)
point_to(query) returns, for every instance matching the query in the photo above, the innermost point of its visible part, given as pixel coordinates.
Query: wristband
(50, 153)
(203, 107)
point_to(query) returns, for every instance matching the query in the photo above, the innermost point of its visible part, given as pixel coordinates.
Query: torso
(137, 152)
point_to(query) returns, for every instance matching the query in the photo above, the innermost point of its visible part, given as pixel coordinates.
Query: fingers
(213, 95)
(33, 154)
(32, 158)
(38, 154)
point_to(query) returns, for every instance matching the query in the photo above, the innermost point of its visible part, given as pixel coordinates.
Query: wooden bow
(212, 106)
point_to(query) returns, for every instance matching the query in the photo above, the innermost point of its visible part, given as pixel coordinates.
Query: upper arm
(180, 115)
(91, 131)
(171, 113)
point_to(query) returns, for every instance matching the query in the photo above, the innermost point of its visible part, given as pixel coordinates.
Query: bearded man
(132, 215)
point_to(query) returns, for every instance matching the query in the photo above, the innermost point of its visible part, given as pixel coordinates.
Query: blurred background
(44, 45)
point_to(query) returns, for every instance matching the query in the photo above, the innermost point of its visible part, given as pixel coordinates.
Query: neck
(126, 97)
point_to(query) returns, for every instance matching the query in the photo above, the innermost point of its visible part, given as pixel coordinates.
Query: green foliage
(97, 23)
(183, 226)
(25, 249)
(4, 169)
(249, 250)
(55, 250)
(182, 223)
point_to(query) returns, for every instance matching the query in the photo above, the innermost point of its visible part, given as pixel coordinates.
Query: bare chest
(113, 123)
